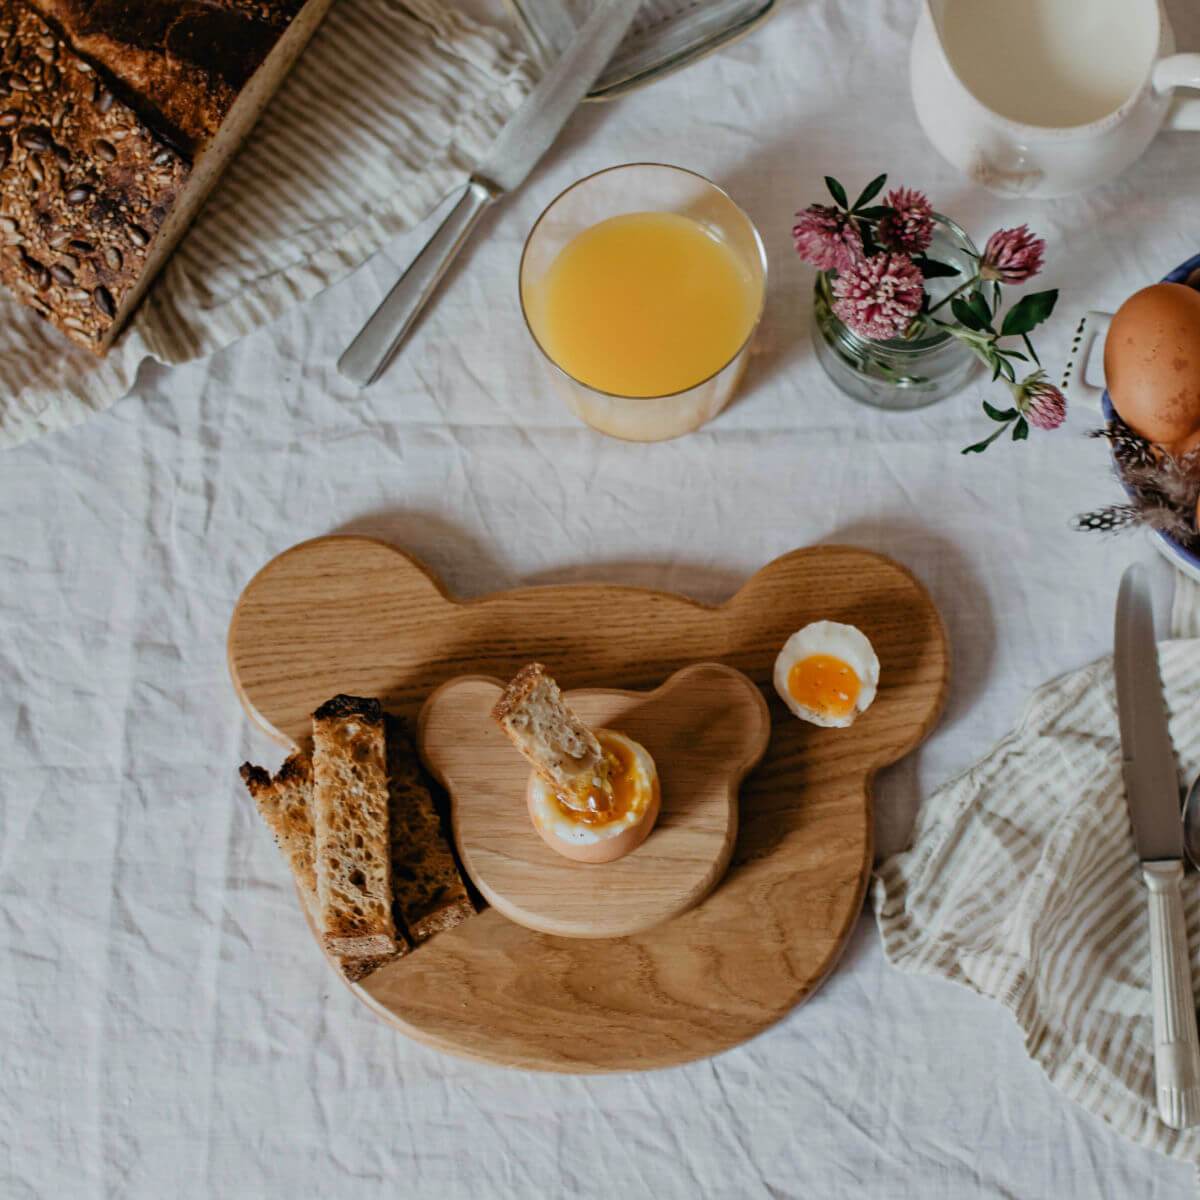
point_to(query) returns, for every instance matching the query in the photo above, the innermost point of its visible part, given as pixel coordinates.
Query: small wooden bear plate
(705, 728)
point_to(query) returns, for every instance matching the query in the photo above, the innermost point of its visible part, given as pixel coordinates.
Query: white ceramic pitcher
(1043, 158)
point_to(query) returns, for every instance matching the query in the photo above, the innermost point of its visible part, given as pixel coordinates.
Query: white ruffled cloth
(385, 113)
(1022, 884)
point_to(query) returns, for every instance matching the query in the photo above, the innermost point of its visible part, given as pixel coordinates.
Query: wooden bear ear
(705, 728)
(350, 614)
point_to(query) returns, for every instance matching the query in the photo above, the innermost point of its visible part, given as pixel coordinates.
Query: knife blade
(531, 130)
(1152, 794)
(1147, 755)
(526, 137)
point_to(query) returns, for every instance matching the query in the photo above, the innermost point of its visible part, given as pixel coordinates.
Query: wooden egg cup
(705, 728)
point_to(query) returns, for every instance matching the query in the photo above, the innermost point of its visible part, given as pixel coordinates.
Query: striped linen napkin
(1022, 883)
(319, 188)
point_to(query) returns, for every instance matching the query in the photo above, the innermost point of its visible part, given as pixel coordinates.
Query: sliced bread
(350, 824)
(429, 893)
(285, 804)
(559, 746)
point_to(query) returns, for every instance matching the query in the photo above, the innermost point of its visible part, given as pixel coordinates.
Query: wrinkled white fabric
(168, 1027)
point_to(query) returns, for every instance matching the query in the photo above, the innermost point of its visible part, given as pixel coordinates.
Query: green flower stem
(980, 447)
(962, 287)
(981, 343)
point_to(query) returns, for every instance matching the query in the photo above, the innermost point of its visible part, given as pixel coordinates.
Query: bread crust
(350, 822)
(184, 62)
(429, 893)
(116, 119)
(341, 706)
(85, 184)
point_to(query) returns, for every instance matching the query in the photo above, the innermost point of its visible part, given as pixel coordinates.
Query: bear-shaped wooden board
(705, 727)
(352, 614)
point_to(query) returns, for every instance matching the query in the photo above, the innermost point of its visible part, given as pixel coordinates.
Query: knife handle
(1176, 1048)
(367, 356)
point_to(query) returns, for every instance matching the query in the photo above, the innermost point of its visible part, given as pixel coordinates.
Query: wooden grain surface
(356, 615)
(705, 727)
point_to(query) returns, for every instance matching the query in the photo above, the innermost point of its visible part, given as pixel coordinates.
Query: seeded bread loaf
(285, 804)
(429, 892)
(559, 746)
(187, 60)
(116, 119)
(350, 824)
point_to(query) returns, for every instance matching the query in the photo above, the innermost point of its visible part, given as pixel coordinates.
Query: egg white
(548, 814)
(845, 642)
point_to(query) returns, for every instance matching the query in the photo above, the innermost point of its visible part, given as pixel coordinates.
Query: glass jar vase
(905, 372)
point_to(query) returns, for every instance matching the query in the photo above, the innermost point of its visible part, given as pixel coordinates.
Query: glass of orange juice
(642, 286)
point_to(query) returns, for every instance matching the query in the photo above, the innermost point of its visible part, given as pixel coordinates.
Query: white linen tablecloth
(168, 1027)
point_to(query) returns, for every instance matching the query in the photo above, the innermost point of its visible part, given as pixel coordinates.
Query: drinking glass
(639, 188)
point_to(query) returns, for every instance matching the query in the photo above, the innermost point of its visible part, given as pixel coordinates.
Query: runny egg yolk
(619, 795)
(824, 684)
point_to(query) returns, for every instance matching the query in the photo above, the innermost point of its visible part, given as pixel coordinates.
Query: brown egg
(1152, 363)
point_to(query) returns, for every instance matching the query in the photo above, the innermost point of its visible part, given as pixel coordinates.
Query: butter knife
(529, 133)
(1152, 793)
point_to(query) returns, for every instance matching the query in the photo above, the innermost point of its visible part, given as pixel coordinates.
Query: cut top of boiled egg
(617, 819)
(827, 673)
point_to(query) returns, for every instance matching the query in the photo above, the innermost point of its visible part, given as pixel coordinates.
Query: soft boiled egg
(827, 673)
(617, 818)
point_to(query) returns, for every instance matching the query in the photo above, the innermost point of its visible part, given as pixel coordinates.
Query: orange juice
(645, 304)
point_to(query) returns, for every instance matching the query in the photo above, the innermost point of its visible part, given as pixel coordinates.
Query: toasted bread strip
(350, 821)
(559, 746)
(285, 804)
(357, 969)
(429, 893)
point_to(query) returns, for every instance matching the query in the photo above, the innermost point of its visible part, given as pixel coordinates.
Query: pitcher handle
(1179, 71)
(1095, 323)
